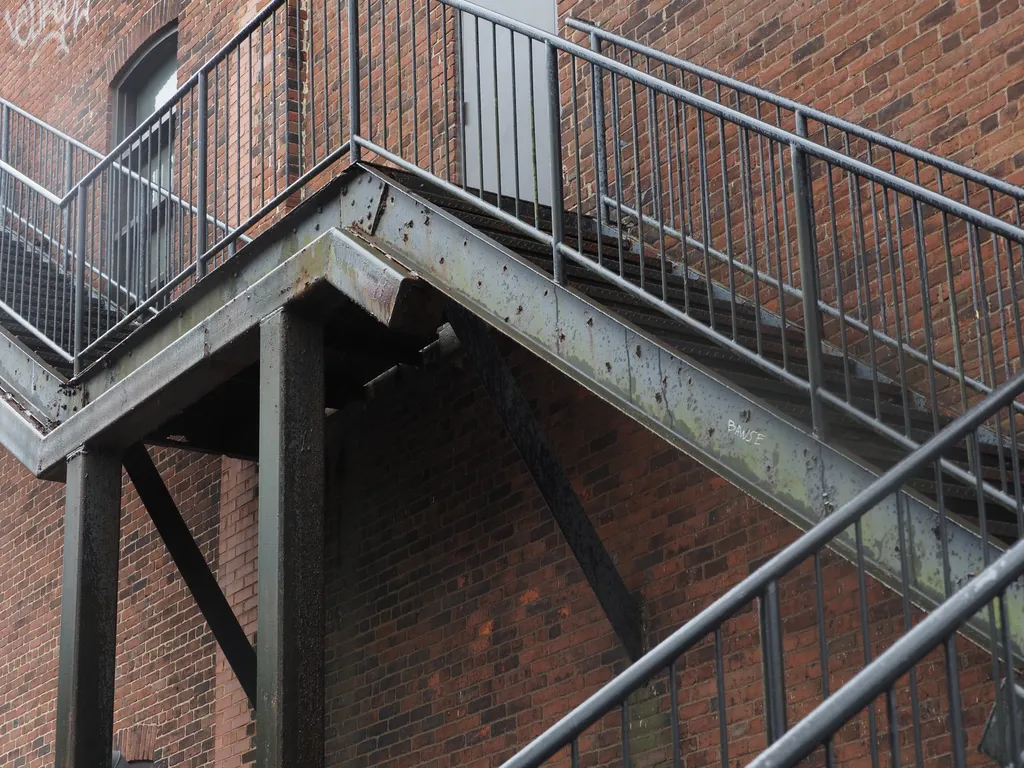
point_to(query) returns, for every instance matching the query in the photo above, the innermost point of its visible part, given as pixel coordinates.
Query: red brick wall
(165, 674)
(461, 626)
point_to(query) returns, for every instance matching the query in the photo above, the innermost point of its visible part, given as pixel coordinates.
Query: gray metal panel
(739, 437)
(502, 134)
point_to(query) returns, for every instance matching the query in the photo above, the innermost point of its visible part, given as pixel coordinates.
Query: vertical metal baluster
(624, 715)
(670, 186)
(723, 720)
(915, 710)
(80, 239)
(201, 180)
(979, 490)
(447, 98)
(637, 199)
(460, 93)
(894, 727)
(477, 76)
(652, 130)
(497, 114)
(600, 135)
(576, 152)
(819, 597)
(954, 313)
(705, 211)
(574, 759)
(352, 51)
(866, 634)
(557, 193)
(399, 92)
(312, 78)
(273, 102)
(956, 717)
(1011, 681)
(430, 89)
(533, 139)
(384, 71)
(369, 78)
(251, 138)
(803, 201)
(686, 229)
(974, 256)
(856, 215)
(785, 206)
(416, 89)
(618, 172)
(774, 680)
(838, 277)
(673, 690)
(216, 138)
(877, 238)
(354, 59)
(749, 228)
(730, 249)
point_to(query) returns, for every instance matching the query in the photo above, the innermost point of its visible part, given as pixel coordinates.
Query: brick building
(458, 622)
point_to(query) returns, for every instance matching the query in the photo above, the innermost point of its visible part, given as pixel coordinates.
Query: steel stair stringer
(736, 435)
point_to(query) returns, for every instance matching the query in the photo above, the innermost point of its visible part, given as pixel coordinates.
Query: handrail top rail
(52, 129)
(33, 185)
(943, 163)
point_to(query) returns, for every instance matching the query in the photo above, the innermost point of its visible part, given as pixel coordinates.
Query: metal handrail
(825, 118)
(667, 652)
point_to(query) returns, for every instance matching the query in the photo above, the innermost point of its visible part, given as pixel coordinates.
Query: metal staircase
(825, 317)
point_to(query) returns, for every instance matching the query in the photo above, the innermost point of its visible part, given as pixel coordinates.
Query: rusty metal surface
(745, 440)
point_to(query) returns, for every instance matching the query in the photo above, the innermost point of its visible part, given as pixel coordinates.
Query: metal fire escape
(824, 316)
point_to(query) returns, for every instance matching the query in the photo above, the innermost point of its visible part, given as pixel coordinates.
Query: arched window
(147, 82)
(143, 184)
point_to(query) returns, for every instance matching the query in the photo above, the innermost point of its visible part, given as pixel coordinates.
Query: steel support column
(88, 610)
(193, 567)
(622, 609)
(290, 645)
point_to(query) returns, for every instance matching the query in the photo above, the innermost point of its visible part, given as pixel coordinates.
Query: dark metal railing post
(803, 199)
(80, 212)
(557, 194)
(600, 156)
(201, 171)
(69, 180)
(772, 663)
(5, 131)
(353, 80)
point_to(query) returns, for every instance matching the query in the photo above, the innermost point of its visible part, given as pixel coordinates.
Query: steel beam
(192, 566)
(619, 605)
(88, 610)
(676, 397)
(290, 651)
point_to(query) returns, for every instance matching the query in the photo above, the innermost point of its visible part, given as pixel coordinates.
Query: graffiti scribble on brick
(36, 22)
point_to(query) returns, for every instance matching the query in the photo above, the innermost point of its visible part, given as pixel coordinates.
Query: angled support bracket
(193, 567)
(619, 605)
